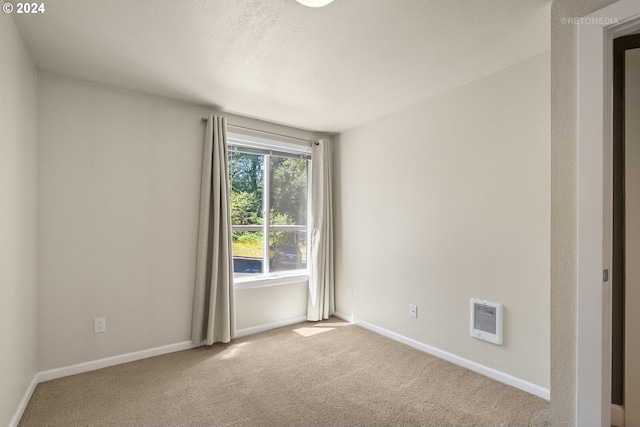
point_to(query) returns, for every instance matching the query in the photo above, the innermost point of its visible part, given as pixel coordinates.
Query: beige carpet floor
(311, 374)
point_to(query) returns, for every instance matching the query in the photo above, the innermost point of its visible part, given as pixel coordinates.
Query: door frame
(620, 46)
(595, 197)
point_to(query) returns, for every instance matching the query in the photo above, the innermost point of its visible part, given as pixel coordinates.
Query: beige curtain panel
(321, 303)
(213, 304)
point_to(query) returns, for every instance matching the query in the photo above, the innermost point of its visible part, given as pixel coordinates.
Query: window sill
(264, 281)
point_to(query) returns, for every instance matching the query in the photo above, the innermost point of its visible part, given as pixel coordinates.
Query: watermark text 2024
(24, 8)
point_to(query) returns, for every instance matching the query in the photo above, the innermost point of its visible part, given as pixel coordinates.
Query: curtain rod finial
(204, 120)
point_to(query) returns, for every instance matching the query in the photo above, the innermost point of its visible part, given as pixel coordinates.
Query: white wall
(448, 200)
(564, 156)
(18, 302)
(271, 304)
(119, 177)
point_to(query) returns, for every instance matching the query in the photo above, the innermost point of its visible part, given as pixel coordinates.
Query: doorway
(594, 214)
(625, 320)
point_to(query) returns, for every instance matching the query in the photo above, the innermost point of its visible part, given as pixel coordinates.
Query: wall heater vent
(486, 321)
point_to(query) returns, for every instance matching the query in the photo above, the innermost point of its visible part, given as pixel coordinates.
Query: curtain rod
(204, 120)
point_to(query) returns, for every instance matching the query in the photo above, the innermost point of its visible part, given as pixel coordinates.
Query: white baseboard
(24, 402)
(143, 354)
(93, 365)
(457, 360)
(269, 326)
(186, 345)
(112, 361)
(343, 316)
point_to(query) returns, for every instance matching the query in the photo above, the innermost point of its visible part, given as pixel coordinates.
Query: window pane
(287, 201)
(247, 253)
(287, 214)
(247, 184)
(288, 191)
(287, 250)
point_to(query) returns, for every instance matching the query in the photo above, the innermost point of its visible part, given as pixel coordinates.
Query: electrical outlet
(413, 311)
(350, 292)
(100, 325)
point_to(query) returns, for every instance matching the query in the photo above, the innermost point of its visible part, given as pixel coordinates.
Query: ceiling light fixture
(314, 3)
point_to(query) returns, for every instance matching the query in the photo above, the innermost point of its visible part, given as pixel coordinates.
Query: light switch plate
(413, 311)
(100, 325)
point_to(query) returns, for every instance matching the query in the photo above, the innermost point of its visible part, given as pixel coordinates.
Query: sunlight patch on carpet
(307, 332)
(332, 324)
(231, 351)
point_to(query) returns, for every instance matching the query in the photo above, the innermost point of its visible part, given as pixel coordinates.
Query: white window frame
(237, 141)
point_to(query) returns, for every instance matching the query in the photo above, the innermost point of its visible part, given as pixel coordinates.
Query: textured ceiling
(326, 69)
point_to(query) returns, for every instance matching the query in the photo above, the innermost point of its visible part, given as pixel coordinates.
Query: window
(269, 206)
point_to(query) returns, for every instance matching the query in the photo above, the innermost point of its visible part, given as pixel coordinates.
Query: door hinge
(605, 275)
